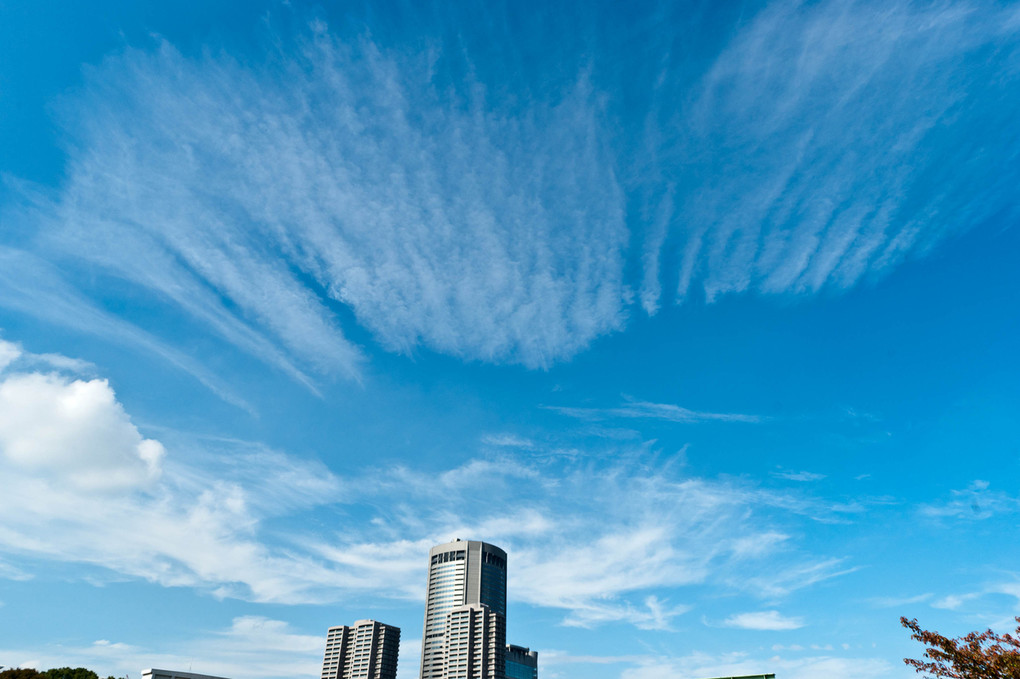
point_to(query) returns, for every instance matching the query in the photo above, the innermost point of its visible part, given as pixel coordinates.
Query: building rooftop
(174, 674)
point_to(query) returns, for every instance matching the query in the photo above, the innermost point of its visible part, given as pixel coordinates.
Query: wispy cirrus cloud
(828, 141)
(824, 143)
(778, 583)
(899, 601)
(802, 476)
(255, 198)
(622, 541)
(652, 411)
(508, 440)
(975, 502)
(33, 286)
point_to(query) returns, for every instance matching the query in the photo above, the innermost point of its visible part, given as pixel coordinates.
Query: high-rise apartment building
(366, 650)
(473, 646)
(463, 573)
(521, 662)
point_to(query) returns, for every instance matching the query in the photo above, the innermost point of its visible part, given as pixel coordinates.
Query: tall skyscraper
(461, 573)
(366, 650)
(521, 662)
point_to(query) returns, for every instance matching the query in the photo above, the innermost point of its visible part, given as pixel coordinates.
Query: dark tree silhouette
(18, 673)
(978, 655)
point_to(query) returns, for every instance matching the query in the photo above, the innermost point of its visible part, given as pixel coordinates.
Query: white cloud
(699, 664)
(74, 431)
(410, 652)
(9, 572)
(554, 657)
(9, 352)
(1009, 588)
(616, 541)
(763, 620)
(593, 542)
(12, 353)
(954, 601)
(703, 665)
(597, 541)
(899, 602)
(253, 646)
(82, 484)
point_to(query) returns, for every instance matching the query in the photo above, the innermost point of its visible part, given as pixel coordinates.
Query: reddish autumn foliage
(984, 655)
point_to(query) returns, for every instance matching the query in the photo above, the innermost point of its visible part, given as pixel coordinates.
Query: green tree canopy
(70, 673)
(17, 673)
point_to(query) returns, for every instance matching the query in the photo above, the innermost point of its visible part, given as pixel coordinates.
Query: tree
(18, 673)
(70, 673)
(978, 655)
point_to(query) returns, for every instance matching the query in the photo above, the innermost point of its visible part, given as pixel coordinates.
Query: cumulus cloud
(82, 484)
(74, 431)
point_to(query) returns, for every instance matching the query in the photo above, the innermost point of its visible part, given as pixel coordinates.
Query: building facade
(365, 650)
(463, 573)
(473, 647)
(521, 662)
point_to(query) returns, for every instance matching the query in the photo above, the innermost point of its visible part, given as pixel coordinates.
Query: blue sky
(705, 312)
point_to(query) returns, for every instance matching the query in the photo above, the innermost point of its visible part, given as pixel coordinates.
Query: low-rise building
(521, 662)
(174, 674)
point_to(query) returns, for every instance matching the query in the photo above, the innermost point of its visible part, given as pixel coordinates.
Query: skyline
(706, 313)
